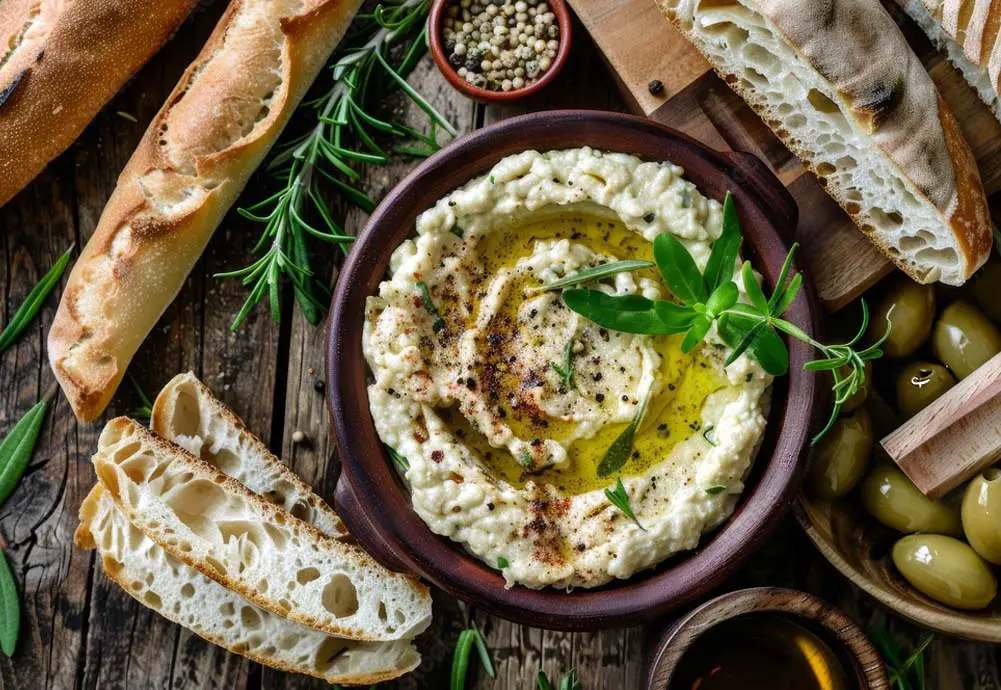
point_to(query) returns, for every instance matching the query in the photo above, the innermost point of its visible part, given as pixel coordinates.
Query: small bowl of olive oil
(765, 639)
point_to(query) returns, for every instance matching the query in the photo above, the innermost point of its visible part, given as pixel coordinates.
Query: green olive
(919, 384)
(892, 498)
(964, 339)
(862, 394)
(984, 288)
(945, 569)
(840, 460)
(913, 308)
(982, 514)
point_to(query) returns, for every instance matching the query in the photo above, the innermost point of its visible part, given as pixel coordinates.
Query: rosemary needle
(323, 157)
(33, 302)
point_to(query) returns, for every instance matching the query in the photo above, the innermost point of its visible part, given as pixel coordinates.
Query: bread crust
(84, 538)
(69, 59)
(193, 161)
(110, 476)
(857, 47)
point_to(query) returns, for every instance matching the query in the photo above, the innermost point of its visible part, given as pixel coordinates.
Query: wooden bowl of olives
(936, 563)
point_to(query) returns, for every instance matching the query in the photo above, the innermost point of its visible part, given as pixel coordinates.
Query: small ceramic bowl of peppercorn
(499, 50)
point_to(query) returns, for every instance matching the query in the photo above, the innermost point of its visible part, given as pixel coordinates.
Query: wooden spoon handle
(955, 437)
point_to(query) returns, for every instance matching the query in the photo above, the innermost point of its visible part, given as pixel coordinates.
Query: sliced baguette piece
(189, 168)
(839, 85)
(186, 413)
(183, 595)
(60, 62)
(968, 31)
(262, 552)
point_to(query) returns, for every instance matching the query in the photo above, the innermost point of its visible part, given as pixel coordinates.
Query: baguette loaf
(186, 413)
(968, 31)
(216, 525)
(195, 158)
(183, 595)
(838, 83)
(60, 62)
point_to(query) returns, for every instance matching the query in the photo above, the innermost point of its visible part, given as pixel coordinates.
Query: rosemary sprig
(33, 302)
(469, 639)
(570, 681)
(145, 410)
(620, 499)
(905, 671)
(565, 370)
(17, 448)
(323, 156)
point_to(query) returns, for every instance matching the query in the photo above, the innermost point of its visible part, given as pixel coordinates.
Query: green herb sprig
(905, 671)
(595, 273)
(569, 681)
(323, 155)
(10, 608)
(437, 323)
(145, 410)
(620, 499)
(711, 297)
(565, 370)
(622, 447)
(33, 302)
(469, 639)
(17, 448)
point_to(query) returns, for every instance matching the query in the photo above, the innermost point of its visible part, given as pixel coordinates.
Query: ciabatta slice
(183, 595)
(967, 30)
(837, 82)
(216, 525)
(186, 413)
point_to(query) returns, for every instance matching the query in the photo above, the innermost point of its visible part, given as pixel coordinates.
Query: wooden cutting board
(641, 46)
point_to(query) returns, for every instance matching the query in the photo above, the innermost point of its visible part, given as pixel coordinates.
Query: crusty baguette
(183, 595)
(839, 85)
(186, 413)
(195, 158)
(262, 552)
(60, 62)
(968, 31)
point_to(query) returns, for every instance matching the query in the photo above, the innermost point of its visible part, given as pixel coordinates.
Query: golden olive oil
(761, 652)
(672, 415)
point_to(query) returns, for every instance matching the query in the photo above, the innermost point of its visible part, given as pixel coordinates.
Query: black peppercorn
(656, 87)
(319, 386)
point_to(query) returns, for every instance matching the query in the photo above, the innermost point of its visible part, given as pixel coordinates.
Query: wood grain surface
(78, 629)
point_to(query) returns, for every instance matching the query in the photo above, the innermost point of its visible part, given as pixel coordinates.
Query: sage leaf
(33, 302)
(595, 273)
(620, 449)
(679, 269)
(723, 256)
(17, 448)
(752, 288)
(629, 313)
(10, 608)
(460, 660)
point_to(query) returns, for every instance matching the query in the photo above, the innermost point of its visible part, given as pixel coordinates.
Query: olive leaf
(10, 608)
(17, 448)
(595, 273)
(629, 313)
(33, 302)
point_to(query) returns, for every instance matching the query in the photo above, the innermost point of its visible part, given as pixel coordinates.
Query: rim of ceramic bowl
(370, 495)
(803, 607)
(435, 20)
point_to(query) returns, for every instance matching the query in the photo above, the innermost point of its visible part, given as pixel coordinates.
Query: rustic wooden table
(78, 629)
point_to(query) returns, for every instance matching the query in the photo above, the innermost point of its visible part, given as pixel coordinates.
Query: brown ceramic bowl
(859, 659)
(375, 505)
(436, 23)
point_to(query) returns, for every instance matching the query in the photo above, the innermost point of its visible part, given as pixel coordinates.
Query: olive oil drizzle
(673, 413)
